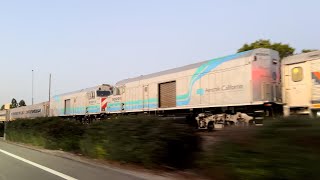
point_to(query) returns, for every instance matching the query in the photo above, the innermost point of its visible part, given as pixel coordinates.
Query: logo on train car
(103, 104)
(316, 77)
(33, 111)
(116, 99)
(225, 88)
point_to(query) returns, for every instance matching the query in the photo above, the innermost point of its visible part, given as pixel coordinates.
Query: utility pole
(49, 86)
(49, 94)
(32, 87)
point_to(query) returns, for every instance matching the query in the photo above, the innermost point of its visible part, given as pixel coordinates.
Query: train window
(297, 74)
(91, 95)
(103, 93)
(116, 91)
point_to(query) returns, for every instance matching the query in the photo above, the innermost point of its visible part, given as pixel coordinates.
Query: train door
(67, 106)
(47, 110)
(123, 97)
(145, 101)
(167, 94)
(296, 91)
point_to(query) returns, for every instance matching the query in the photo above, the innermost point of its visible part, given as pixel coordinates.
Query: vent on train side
(314, 56)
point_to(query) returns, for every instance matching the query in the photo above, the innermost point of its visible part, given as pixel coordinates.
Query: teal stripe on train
(203, 70)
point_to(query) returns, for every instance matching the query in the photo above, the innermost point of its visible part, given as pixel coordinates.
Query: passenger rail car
(3, 115)
(25, 112)
(301, 84)
(31, 111)
(248, 80)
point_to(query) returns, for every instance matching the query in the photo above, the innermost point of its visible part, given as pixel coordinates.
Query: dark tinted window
(103, 93)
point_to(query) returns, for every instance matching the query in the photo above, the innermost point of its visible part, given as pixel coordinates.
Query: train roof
(301, 57)
(83, 90)
(190, 66)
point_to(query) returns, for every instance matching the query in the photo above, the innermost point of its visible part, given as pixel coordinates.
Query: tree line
(15, 104)
(283, 49)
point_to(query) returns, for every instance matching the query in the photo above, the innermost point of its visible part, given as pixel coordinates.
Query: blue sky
(85, 43)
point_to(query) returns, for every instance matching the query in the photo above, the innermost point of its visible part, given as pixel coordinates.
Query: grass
(282, 149)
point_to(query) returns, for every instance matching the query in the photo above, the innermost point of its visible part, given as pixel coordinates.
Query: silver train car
(3, 115)
(242, 86)
(244, 82)
(29, 112)
(301, 84)
(249, 78)
(25, 112)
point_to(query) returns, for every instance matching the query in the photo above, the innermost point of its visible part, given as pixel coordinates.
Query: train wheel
(210, 127)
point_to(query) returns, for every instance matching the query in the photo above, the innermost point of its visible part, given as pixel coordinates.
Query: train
(244, 87)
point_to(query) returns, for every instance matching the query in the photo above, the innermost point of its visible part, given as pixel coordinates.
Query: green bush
(142, 139)
(282, 149)
(51, 133)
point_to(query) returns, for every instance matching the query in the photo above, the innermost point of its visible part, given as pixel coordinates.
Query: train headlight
(318, 114)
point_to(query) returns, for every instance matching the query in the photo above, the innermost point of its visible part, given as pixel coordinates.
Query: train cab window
(103, 93)
(116, 91)
(91, 95)
(297, 74)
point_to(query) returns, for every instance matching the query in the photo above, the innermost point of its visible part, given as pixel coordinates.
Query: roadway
(17, 162)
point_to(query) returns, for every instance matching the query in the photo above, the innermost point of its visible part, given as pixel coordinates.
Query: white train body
(90, 101)
(30, 112)
(3, 115)
(237, 84)
(247, 78)
(301, 84)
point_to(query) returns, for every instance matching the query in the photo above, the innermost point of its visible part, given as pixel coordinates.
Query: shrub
(51, 133)
(144, 140)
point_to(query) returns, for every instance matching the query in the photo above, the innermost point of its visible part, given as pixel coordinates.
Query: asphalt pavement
(21, 163)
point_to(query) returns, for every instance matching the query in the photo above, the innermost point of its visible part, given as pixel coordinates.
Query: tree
(283, 49)
(307, 50)
(22, 103)
(14, 103)
(2, 107)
